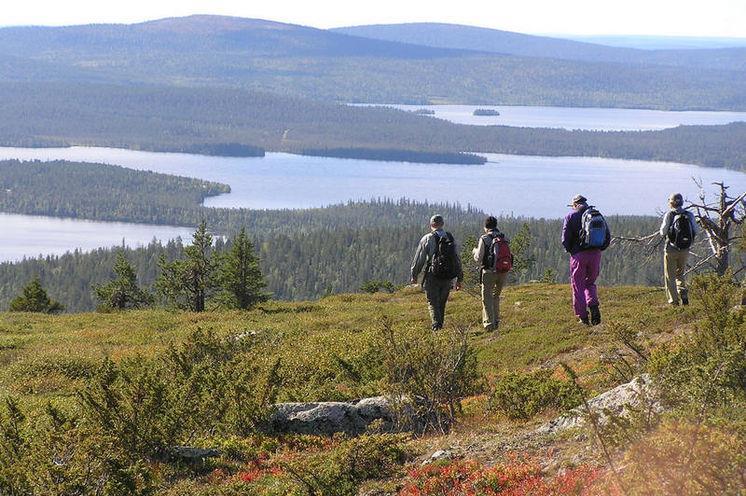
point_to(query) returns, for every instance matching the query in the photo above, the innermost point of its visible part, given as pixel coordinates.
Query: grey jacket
(425, 252)
(668, 218)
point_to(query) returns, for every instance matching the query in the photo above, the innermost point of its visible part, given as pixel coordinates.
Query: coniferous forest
(304, 253)
(238, 122)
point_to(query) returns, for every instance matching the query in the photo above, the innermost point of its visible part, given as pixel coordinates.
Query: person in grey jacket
(437, 288)
(675, 258)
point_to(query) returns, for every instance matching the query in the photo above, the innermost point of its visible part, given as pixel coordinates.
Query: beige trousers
(492, 286)
(674, 266)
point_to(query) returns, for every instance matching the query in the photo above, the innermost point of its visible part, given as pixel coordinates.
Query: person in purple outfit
(585, 257)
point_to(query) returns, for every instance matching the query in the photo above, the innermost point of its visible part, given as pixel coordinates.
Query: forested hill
(457, 36)
(162, 118)
(302, 61)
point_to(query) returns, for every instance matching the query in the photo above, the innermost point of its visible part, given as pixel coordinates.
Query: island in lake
(423, 111)
(485, 112)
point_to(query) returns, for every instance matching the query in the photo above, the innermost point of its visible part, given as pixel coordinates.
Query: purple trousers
(584, 269)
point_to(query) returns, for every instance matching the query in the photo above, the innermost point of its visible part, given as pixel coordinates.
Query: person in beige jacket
(492, 282)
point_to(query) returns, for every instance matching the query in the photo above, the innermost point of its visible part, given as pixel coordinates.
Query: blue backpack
(593, 229)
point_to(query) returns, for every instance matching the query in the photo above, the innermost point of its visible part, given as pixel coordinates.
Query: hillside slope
(48, 356)
(105, 368)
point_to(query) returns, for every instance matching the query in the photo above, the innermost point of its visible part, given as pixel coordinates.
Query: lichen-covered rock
(616, 401)
(189, 453)
(326, 418)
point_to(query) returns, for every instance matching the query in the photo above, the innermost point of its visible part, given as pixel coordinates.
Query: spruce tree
(188, 282)
(123, 292)
(35, 299)
(239, 274)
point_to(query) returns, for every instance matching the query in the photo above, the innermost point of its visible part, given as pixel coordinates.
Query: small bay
(30, 236)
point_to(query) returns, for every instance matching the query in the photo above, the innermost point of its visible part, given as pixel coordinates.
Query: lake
(506, 184)
(30, 236)
(594, 119)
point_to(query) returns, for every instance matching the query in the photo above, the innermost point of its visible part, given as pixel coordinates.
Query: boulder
(189, 453)
(616, 401)
(327, 418)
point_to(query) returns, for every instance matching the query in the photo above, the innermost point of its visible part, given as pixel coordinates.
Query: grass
(329, 350)
(325, 346)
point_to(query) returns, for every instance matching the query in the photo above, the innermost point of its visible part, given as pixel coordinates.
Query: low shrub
(206, 386)
(513, 478)
(377, 285)
(340, 470)
(682, 458)
(706, 369)
(427, 374)
(523, 395)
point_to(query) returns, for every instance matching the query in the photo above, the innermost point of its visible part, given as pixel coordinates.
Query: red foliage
(516, 478)
(258, 469)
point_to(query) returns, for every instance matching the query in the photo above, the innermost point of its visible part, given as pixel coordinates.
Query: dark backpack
(593, 229)
(444, 263)
(498, 257)
(681, 231)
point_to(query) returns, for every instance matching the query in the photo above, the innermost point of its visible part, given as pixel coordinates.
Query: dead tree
(718, 219)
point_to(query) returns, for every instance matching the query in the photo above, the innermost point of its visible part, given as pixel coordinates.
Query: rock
(326, 418)
(441, 455)
(613, 402)
(244, 335)
(193, 454)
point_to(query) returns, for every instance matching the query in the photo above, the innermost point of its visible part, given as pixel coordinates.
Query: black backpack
(680, 230)
(444, 264)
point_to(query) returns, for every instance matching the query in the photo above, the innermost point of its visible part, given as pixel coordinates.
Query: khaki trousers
(492, 286)
(674, 266)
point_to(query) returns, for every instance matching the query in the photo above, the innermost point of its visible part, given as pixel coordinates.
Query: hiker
(495, 260)
(437, 254)
(679, 228)
(585, 235)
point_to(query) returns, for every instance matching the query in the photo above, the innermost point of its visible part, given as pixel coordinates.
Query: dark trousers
(437, 291)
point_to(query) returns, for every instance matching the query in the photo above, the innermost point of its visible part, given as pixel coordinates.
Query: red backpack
(499, 257)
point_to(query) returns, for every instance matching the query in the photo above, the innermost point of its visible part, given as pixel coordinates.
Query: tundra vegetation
(101, 403)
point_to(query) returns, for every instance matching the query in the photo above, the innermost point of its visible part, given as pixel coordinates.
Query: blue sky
(715, 18)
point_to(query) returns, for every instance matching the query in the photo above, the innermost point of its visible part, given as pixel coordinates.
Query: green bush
(56, 454)
(427, 374)
(706, 369)
(205, 386)
(523, 395)
(341, 470)
(377, 285)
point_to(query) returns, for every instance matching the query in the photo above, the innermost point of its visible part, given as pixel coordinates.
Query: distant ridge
(293, 60)
(661, 42)
(505, 42)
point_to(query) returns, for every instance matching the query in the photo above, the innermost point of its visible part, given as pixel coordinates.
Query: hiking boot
(584, 321)
(437, 327)
(595, 315)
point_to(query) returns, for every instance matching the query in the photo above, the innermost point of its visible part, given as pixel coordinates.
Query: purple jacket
(571, 232)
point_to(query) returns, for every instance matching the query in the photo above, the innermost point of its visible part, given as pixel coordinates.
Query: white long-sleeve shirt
(668, 218)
